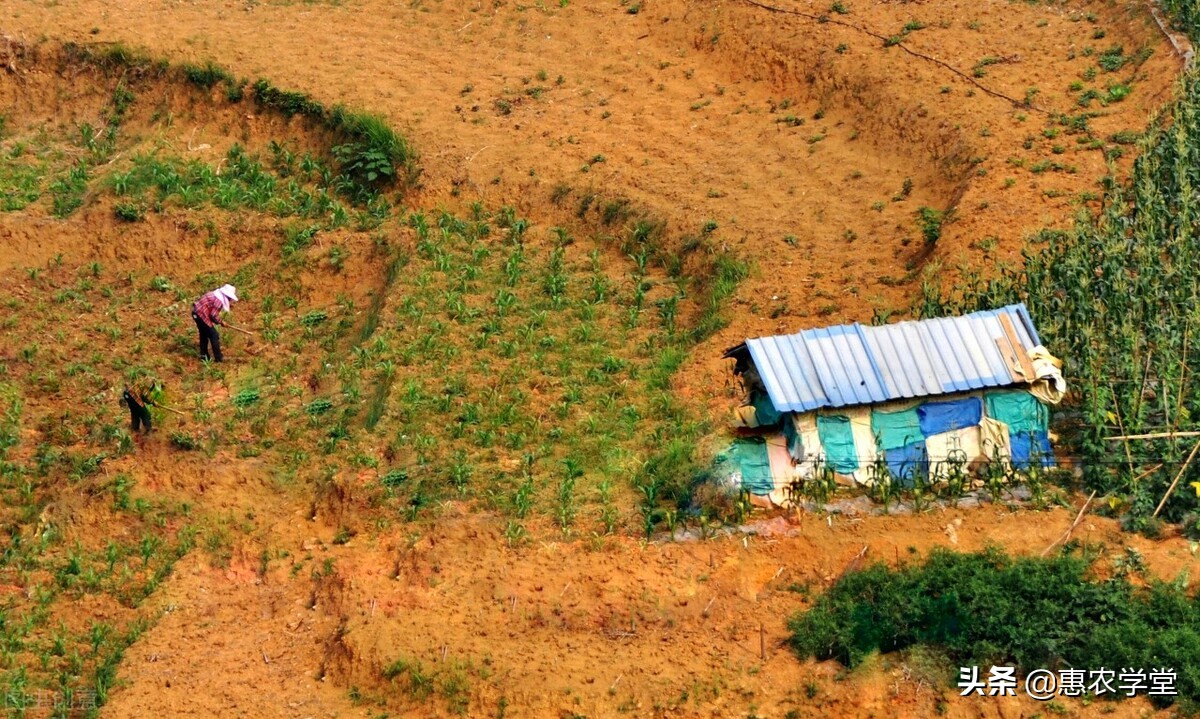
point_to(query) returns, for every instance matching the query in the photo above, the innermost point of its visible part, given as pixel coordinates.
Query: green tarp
(894, 430)
(756, 467)
(764, 410)
(837, 439)
(1021, 411)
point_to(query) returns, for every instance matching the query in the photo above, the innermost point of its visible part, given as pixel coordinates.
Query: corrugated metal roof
(860, 364)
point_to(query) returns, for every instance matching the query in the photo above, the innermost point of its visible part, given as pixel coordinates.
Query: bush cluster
(987, 608)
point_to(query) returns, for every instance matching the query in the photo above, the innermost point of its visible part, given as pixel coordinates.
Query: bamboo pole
(1154, 435)
(1176, 480)
(1078, 519)
(1121, 425)
(1147, 473)
(1187, 329)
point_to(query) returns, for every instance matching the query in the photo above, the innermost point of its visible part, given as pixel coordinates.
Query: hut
(894, 402)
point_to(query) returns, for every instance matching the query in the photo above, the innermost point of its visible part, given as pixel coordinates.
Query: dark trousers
(208, 334)
(138, 415)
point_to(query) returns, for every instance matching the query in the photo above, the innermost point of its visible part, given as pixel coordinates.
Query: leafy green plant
(419, 681)
(990, 609)
(394, 478)
(245, 398)
(67, 192)
(318, 406)
(337, 257)
(313, 318)
(297, 238)
(931, 221)
(1112, 59)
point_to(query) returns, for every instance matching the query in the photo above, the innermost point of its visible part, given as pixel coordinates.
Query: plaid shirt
(141, 390)
(208, 309)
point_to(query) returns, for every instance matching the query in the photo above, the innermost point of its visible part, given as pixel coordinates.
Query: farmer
(206, 311)
(141, 393)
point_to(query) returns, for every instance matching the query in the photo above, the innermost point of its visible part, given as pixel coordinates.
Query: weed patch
(368, 154)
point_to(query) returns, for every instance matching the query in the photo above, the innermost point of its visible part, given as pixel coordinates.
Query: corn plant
(819, 489)
(522, 497)
(922, 490)
(1115, 297)
(883, 487)
(515, 533)
(997, 475)
(554, 283)
(609, 515)
(955, 475)
(566, 507)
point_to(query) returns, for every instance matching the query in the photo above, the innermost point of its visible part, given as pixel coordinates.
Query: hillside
(441, 476)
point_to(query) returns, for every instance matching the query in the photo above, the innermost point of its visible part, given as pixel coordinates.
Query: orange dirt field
(808, 146)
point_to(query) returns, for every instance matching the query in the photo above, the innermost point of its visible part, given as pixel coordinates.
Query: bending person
(141, 393)
(206, 311)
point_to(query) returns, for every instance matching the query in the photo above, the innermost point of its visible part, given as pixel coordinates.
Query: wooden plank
(1022, 356)
(1010, 358)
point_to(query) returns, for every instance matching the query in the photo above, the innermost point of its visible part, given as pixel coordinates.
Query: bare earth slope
(805, 146)
(598, 629)
(694, 108)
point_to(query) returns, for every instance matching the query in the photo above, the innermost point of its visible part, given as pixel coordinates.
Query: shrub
(115, 56)
(337, 257)
(931, 224)
(287, 102)
(1125, 137)
(67, 192)
(298, 237)
(1112, 59)
(988, 608)
(724, 275)
(314, 318)
(371, 155)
